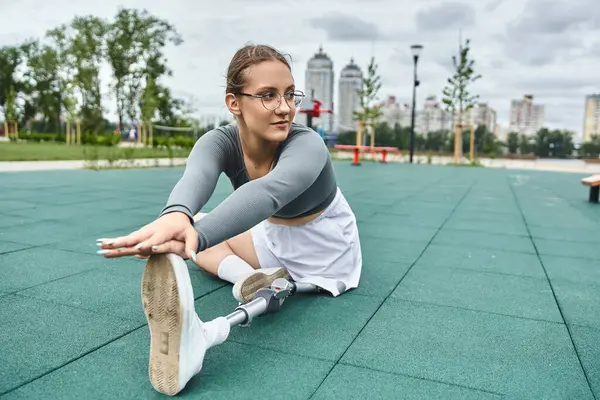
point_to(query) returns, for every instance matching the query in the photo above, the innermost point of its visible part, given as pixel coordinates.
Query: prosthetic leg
(267, 301)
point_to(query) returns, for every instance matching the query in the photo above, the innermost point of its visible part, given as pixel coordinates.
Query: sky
(547, 48)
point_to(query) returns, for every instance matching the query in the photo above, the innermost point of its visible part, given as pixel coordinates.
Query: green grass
(11, 151)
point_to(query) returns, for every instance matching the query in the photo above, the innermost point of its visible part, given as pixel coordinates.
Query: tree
(10, 60)
(457, 98)
(59, 74)
(45, 84)
(512, 142)
(87, 48)
(591, 148)
(555, 143)
(135, 41)
(369, 111)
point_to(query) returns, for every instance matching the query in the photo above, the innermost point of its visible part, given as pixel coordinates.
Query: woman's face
(270, 116)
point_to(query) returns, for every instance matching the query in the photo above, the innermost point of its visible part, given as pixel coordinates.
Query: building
(481, 115)
(393, 113)
(591, 118)
(486, 116)
(433, 118)
(351, 80)
(525, 117)
(319, 83)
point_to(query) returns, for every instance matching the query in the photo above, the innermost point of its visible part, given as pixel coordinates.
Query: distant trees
(546, 143)
(57, 78)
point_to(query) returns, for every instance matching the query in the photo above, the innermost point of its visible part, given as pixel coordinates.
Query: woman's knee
(210, 259)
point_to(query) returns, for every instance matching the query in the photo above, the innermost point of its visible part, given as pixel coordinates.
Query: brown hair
(246, 57)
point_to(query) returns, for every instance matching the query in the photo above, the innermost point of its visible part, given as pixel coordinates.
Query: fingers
(130, 240)
(120, 252)
(172, 246)
(191, 243)
(151, 243)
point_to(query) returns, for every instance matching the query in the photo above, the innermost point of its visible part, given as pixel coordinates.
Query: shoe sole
(160, 299)
(258, 281)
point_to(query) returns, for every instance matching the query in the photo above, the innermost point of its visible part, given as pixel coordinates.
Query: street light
(416, 51)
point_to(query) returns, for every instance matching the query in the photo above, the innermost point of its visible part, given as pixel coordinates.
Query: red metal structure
(314, 112)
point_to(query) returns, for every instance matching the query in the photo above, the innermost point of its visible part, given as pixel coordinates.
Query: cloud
(557, 17)
(341, 27)
(493, 5)
(445, 17)
(550, 31)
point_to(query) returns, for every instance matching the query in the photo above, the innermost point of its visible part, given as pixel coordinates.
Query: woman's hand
(160, 236)
(172, 246)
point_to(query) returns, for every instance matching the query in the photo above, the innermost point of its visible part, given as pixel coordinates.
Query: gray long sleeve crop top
(301, 182)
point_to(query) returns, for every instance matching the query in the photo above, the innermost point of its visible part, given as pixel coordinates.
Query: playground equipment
(315, 111)
(11, 128)
(359, 147)
(594, 183)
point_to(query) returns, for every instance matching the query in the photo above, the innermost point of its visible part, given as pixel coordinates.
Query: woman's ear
(232, 104)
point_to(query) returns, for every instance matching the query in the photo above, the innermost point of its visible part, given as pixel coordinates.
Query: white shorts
(325, 251)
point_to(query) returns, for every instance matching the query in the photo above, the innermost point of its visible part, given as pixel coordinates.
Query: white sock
(233, 268)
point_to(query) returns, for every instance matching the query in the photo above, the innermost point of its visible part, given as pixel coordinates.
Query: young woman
(285, 218)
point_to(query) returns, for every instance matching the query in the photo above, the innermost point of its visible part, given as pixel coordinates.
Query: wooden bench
(594, 183)
(367, 149)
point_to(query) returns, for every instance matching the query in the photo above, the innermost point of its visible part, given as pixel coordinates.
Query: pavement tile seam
(496, 273)
(30, 246)
(72, 360)
(421, 378)
(71, 305)
(50, 281)
(556, 301)
(592, 260)
(416, 302)
(393, 290)
(474, 230)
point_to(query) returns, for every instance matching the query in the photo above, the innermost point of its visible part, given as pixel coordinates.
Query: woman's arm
(206, 162)
(299, 165)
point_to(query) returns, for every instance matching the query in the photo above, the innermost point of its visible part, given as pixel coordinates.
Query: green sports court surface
(477, 284)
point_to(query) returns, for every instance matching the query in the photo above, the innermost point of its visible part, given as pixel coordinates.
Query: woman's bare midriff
(295, 221)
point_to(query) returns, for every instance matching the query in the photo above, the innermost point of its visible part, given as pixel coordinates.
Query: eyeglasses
(272, 100)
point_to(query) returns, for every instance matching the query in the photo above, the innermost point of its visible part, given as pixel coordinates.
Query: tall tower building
(526, 117)
(351, 80)
(591, 119)
(319, 83)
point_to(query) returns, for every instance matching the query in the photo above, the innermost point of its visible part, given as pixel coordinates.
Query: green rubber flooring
(477, 284)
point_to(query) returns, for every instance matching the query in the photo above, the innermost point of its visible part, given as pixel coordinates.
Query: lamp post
(416, 51)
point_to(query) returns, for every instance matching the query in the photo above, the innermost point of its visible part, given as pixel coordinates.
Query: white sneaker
(178, 338)
(245, 288)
